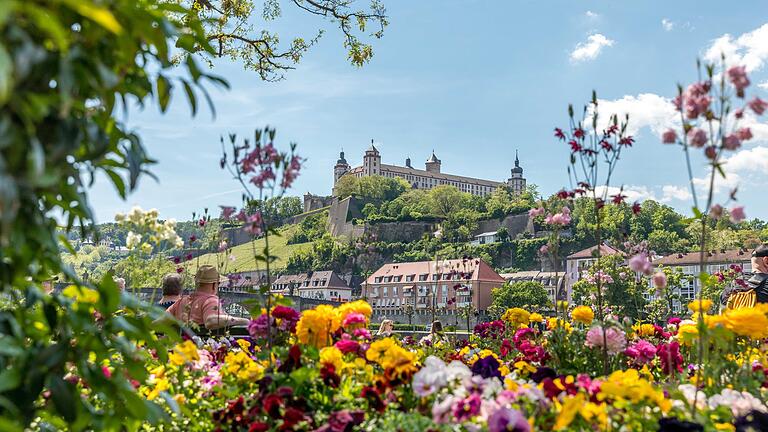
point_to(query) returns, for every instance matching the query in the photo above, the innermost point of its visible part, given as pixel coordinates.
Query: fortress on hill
(429, 177)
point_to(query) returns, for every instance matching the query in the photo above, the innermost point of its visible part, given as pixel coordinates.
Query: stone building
(443, 285)
(321, 285)
(428, 178)
(579, 262)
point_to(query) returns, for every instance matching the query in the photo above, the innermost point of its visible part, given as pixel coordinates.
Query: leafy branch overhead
(233, 31)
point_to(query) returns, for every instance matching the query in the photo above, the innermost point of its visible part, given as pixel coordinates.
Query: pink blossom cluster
(601, 276)
(695, 100)
(614, 340)
(737, 213)
(640, 263)
(562, 218)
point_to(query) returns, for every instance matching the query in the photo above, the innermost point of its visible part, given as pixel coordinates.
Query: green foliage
(529, 295)
(277, 209)
(666, 298)
(66, 70)
(326, 253)
(371, 187)
(311, 228)
(624, 294)
(241, 32)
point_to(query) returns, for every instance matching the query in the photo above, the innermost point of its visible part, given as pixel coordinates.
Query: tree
(68, 72)
(373, 187)
(525, 294)
(445, 199)
(231, 29)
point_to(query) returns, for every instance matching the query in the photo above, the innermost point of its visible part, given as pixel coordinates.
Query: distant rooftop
(721, 256)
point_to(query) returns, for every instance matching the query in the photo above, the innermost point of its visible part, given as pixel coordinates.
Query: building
(688, 264)
(546, 278)
(485, 238)
(431, 176)
(446, 285)
(320, 285)
(246, 281)
(577, 263)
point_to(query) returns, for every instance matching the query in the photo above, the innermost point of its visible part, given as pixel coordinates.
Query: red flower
(329, 376)
(258, 427)
(564, 194)
(575, 147)
(627, 141)
(272, 404)
(201, 222)
(374, 399)
(578, 133)
(599, 203)
(559, 133)
(636, 208)
(618, 198)
(606, 145)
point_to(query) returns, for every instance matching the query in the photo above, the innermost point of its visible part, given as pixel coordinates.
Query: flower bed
(326, 373)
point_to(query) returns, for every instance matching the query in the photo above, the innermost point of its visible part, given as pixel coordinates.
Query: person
(435, 334)
(120, 282)
(203, 307)
(755, 290)
(386, 329)
(171, 290)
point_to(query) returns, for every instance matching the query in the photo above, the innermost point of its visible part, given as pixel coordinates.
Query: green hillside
(243, 253)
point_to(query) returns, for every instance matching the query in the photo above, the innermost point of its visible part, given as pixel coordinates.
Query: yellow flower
(242, 366)
(183, 353)
(81, 294)
(160, 385)
(749, 322)
(524, 367)
(536, 317)
(628, 385)
(316, 326)
(377, 349)
(568, 411)
(645, 330)
(554, 323)
(704, 305)
(724, 427)
(583, 314)
(390, 355)
(332, 356)
(359, 306)
(244, 344)
(516, 316)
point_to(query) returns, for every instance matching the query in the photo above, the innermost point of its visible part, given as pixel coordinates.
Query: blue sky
(475, 81)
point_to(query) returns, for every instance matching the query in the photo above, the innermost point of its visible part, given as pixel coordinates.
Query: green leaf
(9, 379)
(163, 92)
(63, 397)
(190, 96)
(117, 181)
(97, 14)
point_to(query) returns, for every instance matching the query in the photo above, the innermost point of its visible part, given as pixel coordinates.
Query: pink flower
(697, 137)
(710, 152)
(737, 214)
(227, 212)
(252, 223)
(732, 142)
(353, 318)
(660, 280)
(716, 211)
(536, 212)
(291, 172)
(737, 75)
(669, 136)
(347, 346)
(758, 105)
(640, 263)
(614, 341)
(362, 333)
(643, 351)
(739, 113)
(744, 134)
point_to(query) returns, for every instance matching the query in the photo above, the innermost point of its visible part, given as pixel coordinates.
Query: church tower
(341, 168)
(371, 161)
(517, 181)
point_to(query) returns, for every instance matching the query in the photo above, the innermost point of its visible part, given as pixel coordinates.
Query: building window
(422, 277)
(386, 292)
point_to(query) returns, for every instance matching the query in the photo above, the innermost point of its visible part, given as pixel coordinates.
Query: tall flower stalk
(263, 172)
(711, 111)
(594, 146)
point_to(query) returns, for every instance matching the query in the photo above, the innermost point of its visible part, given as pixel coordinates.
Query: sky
(474, 81)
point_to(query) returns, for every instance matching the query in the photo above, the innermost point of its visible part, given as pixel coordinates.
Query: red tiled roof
(712, 257)
(587, 253)
(474, 269)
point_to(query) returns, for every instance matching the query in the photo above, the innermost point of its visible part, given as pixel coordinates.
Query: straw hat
(208, 274)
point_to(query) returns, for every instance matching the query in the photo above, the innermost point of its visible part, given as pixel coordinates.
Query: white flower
(119, 217)
(136, 214)
(741, 403)
(232, 257)
(132, 240)
(457, 370)
(430, 378)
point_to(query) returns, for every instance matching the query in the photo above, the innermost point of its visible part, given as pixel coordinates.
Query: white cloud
(592, 15)
(749, 49)
(645, 110)
(763, 85)
(667, 24)
(632, 192)
(590, 49)
(673, 192)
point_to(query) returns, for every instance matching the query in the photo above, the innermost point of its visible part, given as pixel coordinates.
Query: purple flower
(467, 408)
(507, 420)
(487, 367)
(258, 328)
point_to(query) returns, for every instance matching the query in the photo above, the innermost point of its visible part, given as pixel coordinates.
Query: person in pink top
(203, 307)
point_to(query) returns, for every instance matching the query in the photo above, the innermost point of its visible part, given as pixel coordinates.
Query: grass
(243, 254)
